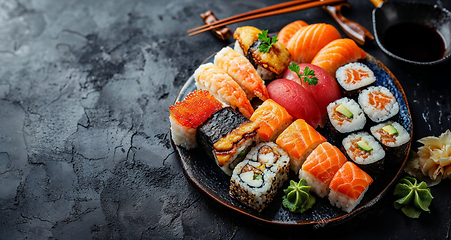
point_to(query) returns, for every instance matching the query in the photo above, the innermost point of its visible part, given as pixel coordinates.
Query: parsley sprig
(267, 42)
(308, 75)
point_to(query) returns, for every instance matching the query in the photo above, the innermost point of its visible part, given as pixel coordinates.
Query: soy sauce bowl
(389, 14)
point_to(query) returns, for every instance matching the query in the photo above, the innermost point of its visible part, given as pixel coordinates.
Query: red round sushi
(296, 100)
(324, 92)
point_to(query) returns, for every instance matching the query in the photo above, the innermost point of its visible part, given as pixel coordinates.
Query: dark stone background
(85, 148)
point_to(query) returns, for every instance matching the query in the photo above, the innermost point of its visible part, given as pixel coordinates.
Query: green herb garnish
(257, 177)
(267, 42)
(308, 75)
(242, 153)
(413, 197)
(298, 198)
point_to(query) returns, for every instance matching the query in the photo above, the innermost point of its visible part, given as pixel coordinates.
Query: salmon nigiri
(272, 119)
(299, 140)
(242, 71)
(338, 53)
(309, 40)
(289, 30)
(212, 78)
(348, 186)
(321, 166)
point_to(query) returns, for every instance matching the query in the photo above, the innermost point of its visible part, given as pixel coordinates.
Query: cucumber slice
(364, 146)
(390, 130)
(343, 110)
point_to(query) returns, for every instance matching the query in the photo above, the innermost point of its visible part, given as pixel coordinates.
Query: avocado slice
(364, 146)
(390, 130)
(343, 110)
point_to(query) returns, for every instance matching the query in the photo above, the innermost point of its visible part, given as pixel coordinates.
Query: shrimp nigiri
(212, 78)
(242, 71)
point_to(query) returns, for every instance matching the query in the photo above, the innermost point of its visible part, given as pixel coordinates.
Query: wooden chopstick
(264, 12)
(261, 10)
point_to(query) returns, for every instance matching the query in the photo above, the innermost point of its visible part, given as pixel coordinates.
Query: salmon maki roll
(242, 71)
(379, 104)
(321, 166)
(186, 116)
(287, 32)
(309, 40)
(338, 53)
(272, 119)
(348, 187)
(214, 79)
(299, 140)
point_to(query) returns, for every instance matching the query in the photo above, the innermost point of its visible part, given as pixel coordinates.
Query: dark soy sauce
(414, 41)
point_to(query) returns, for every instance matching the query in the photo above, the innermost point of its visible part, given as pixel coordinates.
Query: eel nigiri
(309, 40)
(299, 140)
(242, 71)
(214, 79)
(269, 65)
(348, 186)
(272, 119)
(321, 166)
(287, 32)
(186, 116)
(338, 53)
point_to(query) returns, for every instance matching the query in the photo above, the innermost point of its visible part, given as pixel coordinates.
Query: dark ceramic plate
(212, 182)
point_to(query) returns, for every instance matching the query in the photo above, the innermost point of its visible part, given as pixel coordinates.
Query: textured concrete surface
(85, 148)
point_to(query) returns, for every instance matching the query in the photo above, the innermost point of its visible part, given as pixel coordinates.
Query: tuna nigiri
(338, 53)
(296, 100)
(242, 71)
(212, 78)
(272, 119)
(324, 92)
(186, 116)
(321, 166)
(299, 140)
(287, 32)
(348, 186)
(309, 40)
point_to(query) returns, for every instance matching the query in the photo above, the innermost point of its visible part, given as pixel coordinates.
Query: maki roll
(226, 137)
(364, 150)
(348, 187)
(379, 104)
(273, 158)
(321, 166)
(299, 140)
(270, 64)
(255, 180)
(185, 116)
(344, 116)
(393, 137)
(272, 119)
(353, 77)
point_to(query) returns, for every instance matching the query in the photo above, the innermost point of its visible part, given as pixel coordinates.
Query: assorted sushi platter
(303, 104)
